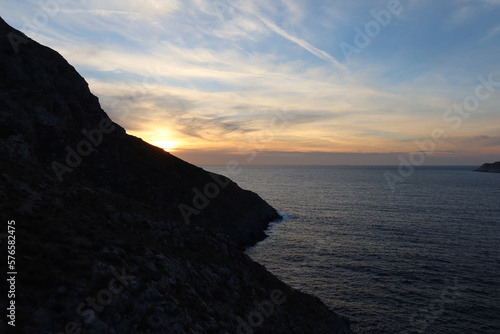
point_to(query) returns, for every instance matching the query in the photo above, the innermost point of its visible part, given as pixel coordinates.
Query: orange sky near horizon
(288, 82)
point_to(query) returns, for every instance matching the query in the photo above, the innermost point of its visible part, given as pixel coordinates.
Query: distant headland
(489, 168)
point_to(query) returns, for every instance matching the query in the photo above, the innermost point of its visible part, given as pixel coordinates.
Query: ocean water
(424, 258)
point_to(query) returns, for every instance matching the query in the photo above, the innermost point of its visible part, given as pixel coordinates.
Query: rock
(100, 251)
(49, 116)
(489, 168)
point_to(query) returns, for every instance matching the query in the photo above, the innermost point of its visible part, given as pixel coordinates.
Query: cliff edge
(50, 118)
(112, 234)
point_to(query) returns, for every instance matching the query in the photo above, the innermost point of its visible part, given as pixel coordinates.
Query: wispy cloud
(462, 14)
(493, 32)
(105, 13)
(212, 78)
(302, 43)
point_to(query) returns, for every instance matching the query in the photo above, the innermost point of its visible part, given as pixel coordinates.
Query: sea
(420, 255)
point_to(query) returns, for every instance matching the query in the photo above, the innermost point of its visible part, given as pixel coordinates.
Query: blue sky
(269, 82)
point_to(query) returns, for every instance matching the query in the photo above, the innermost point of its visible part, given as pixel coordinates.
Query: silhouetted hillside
(102, 245)
(46, 105)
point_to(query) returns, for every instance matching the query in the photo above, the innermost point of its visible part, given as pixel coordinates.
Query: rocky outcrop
(50, 118)
(489, 168)
(103, 244)
(92, 261)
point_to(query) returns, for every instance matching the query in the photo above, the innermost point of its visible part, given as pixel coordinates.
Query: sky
(287, 81)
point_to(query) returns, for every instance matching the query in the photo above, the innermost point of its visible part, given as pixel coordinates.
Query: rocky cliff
(114, 235)
(50, 118)
(489, 168)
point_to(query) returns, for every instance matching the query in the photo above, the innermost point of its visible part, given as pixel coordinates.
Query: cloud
(146, 8)
(462, 15)
(212, 78)
(483, 140)
(302, 43)
(105, 13)
(243, 20)
(493, 32)
(295, 10)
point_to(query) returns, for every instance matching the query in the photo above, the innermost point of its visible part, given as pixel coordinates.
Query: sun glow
(166, 145)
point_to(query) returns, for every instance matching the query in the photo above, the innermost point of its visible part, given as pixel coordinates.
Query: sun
(166, 145)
